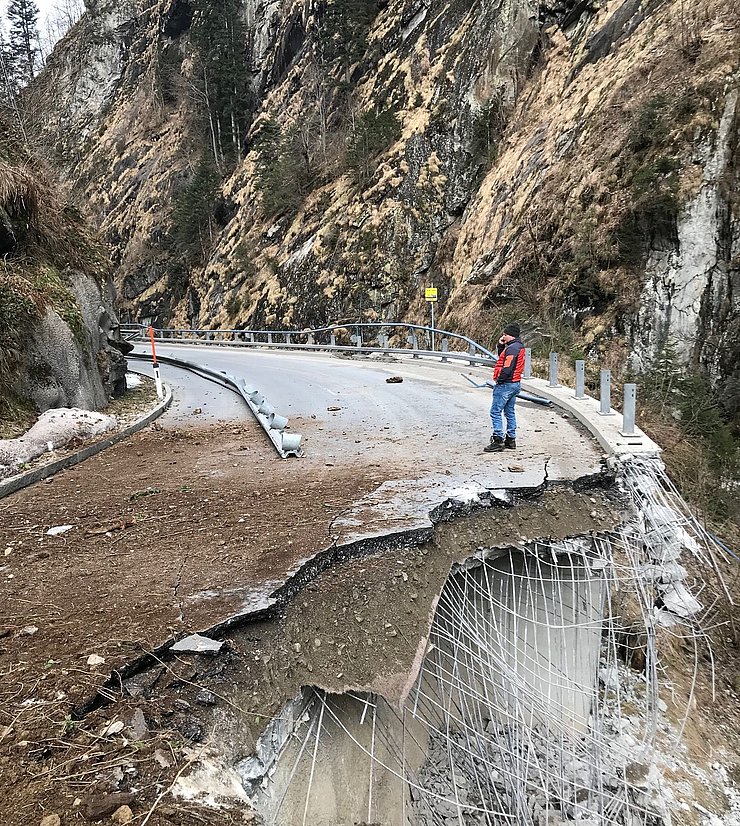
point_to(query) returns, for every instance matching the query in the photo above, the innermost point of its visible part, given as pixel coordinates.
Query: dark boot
(496, 444)
(510, 443)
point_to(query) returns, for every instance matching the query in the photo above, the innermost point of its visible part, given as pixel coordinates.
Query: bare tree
(58, 22)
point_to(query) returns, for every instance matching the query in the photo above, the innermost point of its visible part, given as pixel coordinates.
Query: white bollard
(158, 382)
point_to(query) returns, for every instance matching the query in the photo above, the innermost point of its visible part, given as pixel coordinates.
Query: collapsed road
(409, 631)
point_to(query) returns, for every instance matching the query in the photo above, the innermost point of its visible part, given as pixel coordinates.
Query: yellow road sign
(430, 294)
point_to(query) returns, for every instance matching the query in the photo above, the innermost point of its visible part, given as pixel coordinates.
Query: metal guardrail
(360, 337)
(286, 444)
(373, 337)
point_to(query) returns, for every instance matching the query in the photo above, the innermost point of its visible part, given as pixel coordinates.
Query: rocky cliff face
(57, 322)
(572, 164)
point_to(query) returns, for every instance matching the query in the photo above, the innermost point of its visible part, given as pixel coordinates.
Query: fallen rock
(162, 759)
(98, 806)
(138, 726)
(394, 380)
(123, 815)
(205, 698)
(112, 729)
(516, 469)
(51, 820)
(57, 530)
(197, 644)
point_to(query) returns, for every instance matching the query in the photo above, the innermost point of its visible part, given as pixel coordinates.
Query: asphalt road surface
(433, 425)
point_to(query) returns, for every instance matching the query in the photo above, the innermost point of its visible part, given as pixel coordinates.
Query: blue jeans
(504, 400)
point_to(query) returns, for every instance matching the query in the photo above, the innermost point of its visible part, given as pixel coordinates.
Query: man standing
(507, 374)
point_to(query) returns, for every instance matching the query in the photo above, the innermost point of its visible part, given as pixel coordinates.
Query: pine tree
(24, 38)
(8, 86)
(220, 39)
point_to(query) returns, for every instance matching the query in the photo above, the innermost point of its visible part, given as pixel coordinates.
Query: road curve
(427, 432)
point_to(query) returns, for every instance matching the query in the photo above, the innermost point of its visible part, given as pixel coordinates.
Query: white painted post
(554, 370)
(628, 414)
(527, 374)
(158, 382)
(444, 349)
(580, 379)
(606, 393)
(333, 340)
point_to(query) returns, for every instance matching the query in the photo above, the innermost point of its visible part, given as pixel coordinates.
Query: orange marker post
(157, 376)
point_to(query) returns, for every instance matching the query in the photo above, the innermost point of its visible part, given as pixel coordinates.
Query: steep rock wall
(58, 326)
(572, 165)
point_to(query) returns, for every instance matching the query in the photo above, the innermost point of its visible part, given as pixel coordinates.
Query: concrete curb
(605, 429)
(23, 480)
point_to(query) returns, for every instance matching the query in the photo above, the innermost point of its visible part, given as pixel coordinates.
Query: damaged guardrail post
(580, 379)
(554, 370)
(628, 411)
(286, 444)
(443, 347)
(605, 394)
(527, 374)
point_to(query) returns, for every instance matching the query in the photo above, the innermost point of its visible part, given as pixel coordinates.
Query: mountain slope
(571, 164)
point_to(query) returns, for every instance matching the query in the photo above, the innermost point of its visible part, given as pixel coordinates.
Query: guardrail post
(251, 338)
(415, 345)
(269, 338)
(384, 344)
(580, 379)
(311, 340)
(628, 413)
(554, 370)
(606, 393)
(471, 353)
(527, 373)
(443, 347)
(333, 340)
(288, 338)
(358, 338)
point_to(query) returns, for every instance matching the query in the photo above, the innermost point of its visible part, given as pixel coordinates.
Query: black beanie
(512, 330)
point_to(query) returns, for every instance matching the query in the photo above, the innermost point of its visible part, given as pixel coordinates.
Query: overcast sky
(45, 6)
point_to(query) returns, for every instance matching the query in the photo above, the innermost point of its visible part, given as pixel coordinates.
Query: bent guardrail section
(275, 426)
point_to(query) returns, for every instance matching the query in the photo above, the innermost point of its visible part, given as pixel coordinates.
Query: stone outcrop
(571, 164)
(59, 341)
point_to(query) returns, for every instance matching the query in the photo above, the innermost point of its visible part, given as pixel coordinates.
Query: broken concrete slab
(197, 644)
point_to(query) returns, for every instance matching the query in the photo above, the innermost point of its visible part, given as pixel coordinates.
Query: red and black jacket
(510, 364)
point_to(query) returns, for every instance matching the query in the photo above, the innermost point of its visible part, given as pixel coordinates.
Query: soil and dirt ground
(170, 533)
